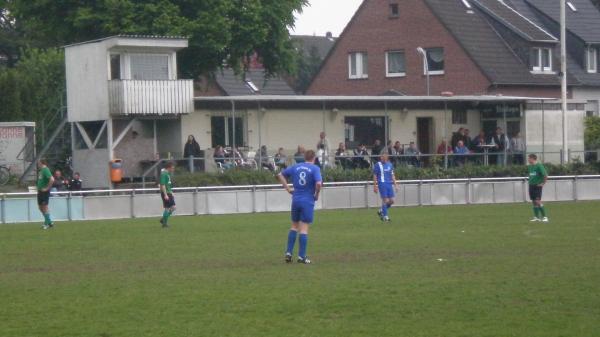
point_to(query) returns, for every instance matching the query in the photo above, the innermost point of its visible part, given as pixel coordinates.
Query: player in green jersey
(44, 183)
(537, 179)
(166, 193)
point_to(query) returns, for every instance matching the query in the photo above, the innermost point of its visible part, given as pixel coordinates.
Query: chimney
(329, 35)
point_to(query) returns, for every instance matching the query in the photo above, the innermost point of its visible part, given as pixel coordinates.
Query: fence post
(132, 203)
(191, 163)
(3, 208)
(195, 198)
(253, 198)
(420, 192)
(525, 190)
(468, 192)
(69, 211)
(575, 190)
(367, 195)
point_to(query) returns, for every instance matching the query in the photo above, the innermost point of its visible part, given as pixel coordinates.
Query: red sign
(11, 133)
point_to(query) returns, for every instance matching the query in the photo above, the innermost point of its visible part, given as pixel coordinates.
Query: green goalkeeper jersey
(165, 179)
(537, 174)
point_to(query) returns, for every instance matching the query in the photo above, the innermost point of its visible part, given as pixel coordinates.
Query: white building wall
(591, 96)
(544, 133)
(289, 128)
(87, 86)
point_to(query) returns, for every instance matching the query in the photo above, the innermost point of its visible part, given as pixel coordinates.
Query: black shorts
(43, 198)
(535, 192)
(168, 203)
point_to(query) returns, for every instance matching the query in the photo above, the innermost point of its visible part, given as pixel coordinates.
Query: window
(467, 4)
(363, 130)
(149, 67)
(435, 61)
(541, 60)
(394, 11)
(251, 86)
(115, 67)
(223, 129)
(571, 6)
(358, 65)
(592, 60)
(395, 64)
(459, 116)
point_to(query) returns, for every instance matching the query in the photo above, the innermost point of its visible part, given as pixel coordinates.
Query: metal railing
(133, 203)
(153, 97)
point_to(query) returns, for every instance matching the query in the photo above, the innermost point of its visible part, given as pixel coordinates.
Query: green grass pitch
(437, 271)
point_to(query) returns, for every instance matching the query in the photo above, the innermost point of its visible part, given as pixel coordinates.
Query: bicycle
(4, 175)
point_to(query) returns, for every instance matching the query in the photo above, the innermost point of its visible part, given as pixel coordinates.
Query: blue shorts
(303, 211)
(386, 191)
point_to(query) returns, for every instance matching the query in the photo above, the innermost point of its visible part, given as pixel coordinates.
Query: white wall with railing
(123, 204)
(151, 97)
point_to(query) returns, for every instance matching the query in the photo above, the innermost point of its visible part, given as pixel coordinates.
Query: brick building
(472, 47)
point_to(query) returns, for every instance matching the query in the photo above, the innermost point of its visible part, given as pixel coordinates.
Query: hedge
(236, 177)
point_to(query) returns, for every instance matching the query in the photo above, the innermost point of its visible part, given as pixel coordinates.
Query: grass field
(445, 271)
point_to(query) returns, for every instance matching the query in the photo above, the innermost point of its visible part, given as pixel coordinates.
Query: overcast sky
(324, 16)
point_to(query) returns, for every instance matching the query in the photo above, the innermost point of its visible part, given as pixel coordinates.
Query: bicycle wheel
(4, 175)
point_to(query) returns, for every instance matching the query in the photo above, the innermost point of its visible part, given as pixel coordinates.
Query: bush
(237, 177)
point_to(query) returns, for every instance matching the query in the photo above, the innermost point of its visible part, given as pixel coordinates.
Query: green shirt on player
(537, 174)
(43, 178)
(165, 180)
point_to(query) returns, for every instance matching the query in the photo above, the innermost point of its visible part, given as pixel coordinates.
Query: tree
(229, 31)
(308, 65)
(10, 42)
(33, 87)
(592, 133)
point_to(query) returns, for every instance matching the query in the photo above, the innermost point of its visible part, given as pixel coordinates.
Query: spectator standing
(517, 145)
(281, 159)
(75, 184)
(299, 155)
(322, 157)
(376, 151)
(397, 152)
(458, 135)
(191, 149)
(467, 139)
(502, 144)
(325, 142)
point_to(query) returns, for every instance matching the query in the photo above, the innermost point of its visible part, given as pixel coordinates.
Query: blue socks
(47, 219)
(291, 241)
(384, 209)
(303, 243)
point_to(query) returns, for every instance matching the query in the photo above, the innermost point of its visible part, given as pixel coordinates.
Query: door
(425, 134)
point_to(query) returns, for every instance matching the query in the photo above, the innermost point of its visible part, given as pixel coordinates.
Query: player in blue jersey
(385, 184)
(306, 179)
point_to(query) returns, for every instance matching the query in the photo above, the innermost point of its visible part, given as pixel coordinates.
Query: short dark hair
(170, 164)
(309, 155)
(533, 156)
(43, 161)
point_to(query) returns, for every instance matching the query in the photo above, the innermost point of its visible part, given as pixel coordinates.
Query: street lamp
(423, 53)
(563, 71)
